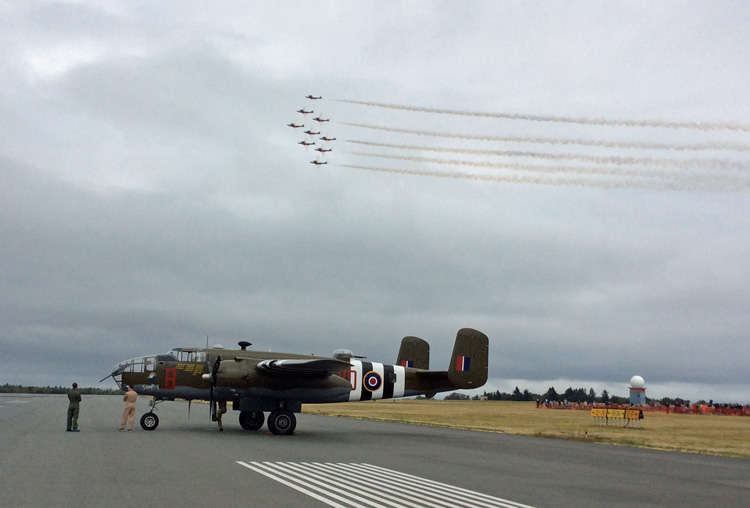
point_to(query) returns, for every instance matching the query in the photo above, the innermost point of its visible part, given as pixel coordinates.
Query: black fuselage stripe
(365, 393)
(387, 384)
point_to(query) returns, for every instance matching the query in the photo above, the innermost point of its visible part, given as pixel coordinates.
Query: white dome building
(637, 391)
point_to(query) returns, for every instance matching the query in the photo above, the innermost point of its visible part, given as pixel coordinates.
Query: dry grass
(727, 436)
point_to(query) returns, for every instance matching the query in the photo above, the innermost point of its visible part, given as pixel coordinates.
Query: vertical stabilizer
(468, 367)
(414, 352)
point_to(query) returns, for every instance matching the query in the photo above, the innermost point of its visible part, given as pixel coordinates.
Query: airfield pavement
(329, 462)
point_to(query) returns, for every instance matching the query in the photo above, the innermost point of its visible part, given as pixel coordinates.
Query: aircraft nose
(117, 371)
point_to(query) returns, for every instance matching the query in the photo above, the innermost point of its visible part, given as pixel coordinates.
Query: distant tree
(516, 395)
(457, 396)
(604, 399)
(591, 397)
(551, 394)
(527, 395)
(569, 394)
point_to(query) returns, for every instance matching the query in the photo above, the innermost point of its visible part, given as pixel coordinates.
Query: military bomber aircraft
(279, 383)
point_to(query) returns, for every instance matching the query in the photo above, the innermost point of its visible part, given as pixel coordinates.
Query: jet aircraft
(312, 98)
(318, 119)
(318, 163)
(256, 382)
(322, 150)
(305, 112)
(328, 139)
(311, 133)
(306, 143)
(295, 126)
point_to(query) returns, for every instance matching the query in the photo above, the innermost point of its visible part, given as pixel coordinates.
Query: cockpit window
(188, 355)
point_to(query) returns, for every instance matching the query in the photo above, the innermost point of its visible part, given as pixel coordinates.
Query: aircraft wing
(321, 366)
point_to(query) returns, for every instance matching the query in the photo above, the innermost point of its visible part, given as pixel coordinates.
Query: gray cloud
(152, 195)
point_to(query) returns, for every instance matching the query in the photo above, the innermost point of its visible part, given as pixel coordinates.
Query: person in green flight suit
(74, 396)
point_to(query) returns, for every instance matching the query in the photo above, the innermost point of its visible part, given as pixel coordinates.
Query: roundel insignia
(372, 381)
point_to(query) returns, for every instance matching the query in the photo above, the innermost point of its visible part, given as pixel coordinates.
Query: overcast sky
(571, 178)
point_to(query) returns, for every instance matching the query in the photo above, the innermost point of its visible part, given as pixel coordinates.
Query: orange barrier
(602, 415)
(692, 409)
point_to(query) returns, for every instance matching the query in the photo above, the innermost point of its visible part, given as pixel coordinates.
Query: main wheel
(282, 422)
(251, 420)
(149, 421)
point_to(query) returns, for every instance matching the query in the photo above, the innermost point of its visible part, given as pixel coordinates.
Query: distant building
(637, 391)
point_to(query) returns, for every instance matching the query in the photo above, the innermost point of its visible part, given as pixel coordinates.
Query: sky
(571, 178)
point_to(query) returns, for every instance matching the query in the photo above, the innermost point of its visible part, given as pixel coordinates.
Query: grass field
(727, 436)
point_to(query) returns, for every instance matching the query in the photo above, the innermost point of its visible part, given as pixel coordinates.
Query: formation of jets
(322, 150)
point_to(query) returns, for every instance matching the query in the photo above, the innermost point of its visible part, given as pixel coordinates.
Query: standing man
(129, 411)
(74, 396)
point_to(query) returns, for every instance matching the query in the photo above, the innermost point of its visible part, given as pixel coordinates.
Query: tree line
(8, 388)
(570, 395)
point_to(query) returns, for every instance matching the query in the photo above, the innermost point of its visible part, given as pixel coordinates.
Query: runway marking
(355, 485)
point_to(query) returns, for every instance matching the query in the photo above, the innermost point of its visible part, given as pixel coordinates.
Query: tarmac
(329, 462)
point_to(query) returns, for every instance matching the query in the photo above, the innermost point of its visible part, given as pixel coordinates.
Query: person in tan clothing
(129, 411)
(222, 409)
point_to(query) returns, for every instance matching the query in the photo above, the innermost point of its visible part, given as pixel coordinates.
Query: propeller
(214, 373)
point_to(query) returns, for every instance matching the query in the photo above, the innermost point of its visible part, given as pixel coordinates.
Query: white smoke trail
(493, 178)
(596, 159)
(735, 147)
(576, 182)
(702, 126)
(567, 170)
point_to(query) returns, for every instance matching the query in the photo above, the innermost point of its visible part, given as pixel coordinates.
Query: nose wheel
(149, 421)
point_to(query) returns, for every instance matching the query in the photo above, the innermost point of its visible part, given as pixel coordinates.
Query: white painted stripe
(455, 489)
(255, 466)
(357, 381)
(346, 484)
(352, 484)
(447, 493)
(406, 494)
(400, 385)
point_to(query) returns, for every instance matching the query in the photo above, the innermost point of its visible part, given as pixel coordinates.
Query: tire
(149, 421)
(282, 422)
(251, 420)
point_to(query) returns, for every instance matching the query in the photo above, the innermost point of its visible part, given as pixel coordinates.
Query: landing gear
(149, 421)
(251, 420)
(281, 422)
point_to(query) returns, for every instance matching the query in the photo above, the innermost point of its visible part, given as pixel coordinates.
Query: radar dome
(637, 382)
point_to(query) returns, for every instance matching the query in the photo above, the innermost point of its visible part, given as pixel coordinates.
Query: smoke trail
(735, 147)
(702, 126)
(596, 159)
(493, 178)
(577, 182)
(621, 172)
